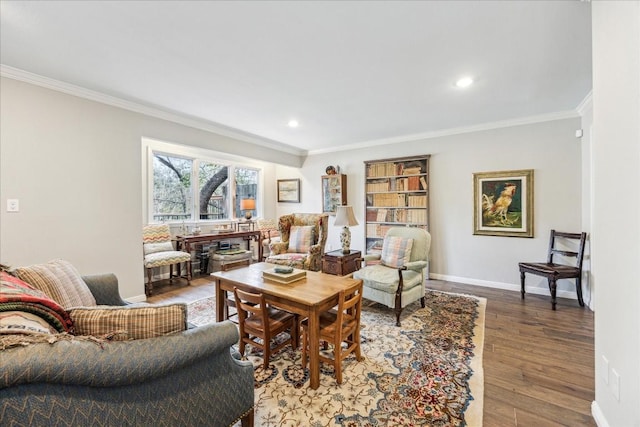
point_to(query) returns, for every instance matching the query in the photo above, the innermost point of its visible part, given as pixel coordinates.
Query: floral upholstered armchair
(303, 237)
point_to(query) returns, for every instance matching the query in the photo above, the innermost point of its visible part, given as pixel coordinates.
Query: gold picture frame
(288, 191)
(503, 203)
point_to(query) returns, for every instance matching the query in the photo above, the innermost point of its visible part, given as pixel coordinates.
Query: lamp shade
(248, 204)
(345, 216)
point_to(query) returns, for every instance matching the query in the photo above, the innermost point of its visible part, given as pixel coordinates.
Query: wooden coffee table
(308, 297)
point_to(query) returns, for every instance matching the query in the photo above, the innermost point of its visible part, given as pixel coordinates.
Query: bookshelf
(396, 194)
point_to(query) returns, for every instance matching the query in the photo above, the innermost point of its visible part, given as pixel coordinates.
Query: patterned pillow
(396, 251)
(300, 239)
(60, 281)
(130, 323)
(152, 248)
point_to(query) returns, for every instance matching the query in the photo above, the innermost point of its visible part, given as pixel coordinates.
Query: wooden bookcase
(396, 194)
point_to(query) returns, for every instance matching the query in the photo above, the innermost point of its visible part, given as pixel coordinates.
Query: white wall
(549, 148)
(616, 208)
(75, 166)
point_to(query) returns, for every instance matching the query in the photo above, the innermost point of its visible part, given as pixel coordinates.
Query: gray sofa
(185, 379)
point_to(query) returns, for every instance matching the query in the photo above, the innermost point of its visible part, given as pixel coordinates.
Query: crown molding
(586, 103)
(453, 131)
(60, 86)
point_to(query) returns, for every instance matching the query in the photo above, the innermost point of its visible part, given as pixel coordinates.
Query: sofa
(185, 378)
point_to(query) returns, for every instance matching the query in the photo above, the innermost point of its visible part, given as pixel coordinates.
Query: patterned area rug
(426, 373)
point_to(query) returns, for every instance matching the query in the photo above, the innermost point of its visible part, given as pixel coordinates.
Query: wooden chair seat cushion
(159, 259)
(542, 268)
(279, 320)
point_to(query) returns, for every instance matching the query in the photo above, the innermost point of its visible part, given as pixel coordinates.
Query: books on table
(295, 275)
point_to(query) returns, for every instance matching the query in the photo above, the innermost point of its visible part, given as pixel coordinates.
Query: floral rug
(426, 373)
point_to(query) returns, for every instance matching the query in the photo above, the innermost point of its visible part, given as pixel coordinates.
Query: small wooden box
(341, 264)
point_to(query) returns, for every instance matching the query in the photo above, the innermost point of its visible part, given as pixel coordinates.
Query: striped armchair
(159, 251)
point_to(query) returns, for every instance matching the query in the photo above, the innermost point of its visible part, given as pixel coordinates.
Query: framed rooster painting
(503, 203)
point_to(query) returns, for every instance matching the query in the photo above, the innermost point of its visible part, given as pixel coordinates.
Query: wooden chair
(338, 326)
(554, 271)
(259, 323)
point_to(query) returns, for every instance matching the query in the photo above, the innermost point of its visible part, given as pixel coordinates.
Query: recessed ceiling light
(464, 82)
(293, 123)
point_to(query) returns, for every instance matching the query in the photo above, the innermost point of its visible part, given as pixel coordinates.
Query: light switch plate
(13, 205)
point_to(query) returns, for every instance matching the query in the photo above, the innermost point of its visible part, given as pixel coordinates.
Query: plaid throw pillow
(396, 251)
(130, 323)
(300, 239)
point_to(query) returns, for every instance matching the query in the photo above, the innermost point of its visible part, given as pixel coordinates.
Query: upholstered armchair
(303, 237)
(396, 277)
(270, 235)
(159, 251)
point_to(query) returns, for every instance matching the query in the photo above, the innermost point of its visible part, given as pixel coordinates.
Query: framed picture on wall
(503, 203)
(289, 190)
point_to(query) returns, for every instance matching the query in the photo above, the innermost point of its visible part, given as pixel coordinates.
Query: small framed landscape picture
(503, 203)
(289, 190)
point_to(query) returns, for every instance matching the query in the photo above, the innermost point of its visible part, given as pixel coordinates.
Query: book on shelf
(423, 183)
(285, 278)
(414, 170)
(382, 215)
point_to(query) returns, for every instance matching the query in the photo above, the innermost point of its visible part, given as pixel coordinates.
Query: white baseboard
(137, 298)
(598, 416)
(499, 285)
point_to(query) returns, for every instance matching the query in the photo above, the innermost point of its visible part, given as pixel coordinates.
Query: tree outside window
(176, 199)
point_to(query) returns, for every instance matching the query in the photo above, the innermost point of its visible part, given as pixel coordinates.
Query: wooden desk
(309, 297)
(184, 242)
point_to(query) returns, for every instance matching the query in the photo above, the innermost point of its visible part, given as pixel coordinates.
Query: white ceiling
(351, 73)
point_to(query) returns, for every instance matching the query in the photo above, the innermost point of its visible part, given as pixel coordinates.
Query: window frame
(150, 147)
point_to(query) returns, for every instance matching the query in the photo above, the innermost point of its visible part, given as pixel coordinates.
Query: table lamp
(247, 205)
(346, 218)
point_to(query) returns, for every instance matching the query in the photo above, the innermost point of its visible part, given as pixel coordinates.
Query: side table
(341, 264)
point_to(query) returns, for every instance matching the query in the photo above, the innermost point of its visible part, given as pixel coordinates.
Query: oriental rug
(428, 372)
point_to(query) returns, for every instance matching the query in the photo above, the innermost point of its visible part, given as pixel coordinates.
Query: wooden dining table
(308, 297)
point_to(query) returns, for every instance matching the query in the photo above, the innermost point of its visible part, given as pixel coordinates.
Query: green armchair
(393, 280)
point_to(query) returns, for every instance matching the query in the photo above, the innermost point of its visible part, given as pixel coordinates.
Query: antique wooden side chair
(554, 271)
(338, 326)
(259, 323)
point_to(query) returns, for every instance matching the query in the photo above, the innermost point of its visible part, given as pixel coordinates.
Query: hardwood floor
(538, 363)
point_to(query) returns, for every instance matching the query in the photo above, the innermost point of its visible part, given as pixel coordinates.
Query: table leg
(220, 311)
(314, 349)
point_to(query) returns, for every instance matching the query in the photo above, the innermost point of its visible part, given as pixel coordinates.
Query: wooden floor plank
(538, 363)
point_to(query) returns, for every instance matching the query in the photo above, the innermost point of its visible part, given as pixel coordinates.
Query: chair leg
(149, 287)
(266, 352)
(398, 310)
(337, 360)
(423, 302)
(522, 273)
(247, 420)
(579, 291)
(552, 287)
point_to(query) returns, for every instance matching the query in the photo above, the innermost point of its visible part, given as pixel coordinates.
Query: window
(189, 185)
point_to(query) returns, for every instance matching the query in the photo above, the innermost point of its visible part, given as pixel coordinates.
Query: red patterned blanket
(16, 295)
